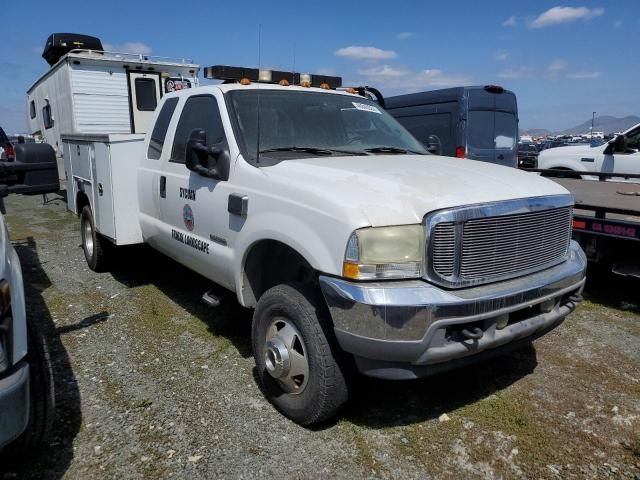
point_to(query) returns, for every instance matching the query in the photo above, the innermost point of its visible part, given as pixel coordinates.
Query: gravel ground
(150, 383)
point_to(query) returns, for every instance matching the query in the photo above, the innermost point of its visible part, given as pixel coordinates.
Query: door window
(633, 139)
(145, 94)
(199, 112)
(156, 142)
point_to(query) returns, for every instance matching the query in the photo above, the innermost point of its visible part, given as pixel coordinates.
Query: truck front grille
(482, 250)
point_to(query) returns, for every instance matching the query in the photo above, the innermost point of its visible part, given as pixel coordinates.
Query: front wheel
(297, 357)
(97, 249)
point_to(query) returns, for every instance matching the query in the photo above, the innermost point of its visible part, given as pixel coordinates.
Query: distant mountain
(536, 132)
(604, 123)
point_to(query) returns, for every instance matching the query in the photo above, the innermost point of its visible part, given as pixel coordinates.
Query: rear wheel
(298, 360)
(97, 249)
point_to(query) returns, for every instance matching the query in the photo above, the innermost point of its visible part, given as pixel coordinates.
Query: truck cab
(352, 244)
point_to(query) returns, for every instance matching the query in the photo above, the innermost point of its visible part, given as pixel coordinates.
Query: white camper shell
(100, 92)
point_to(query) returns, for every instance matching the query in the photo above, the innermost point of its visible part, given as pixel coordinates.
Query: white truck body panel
(103, 168)
(585, 158)
(100, 100)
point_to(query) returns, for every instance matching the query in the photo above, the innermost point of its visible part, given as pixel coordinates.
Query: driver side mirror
(208, 161)
(433, 145)
(617, 145)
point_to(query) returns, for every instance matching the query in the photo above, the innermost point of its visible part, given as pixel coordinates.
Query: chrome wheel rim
(285, 356)
(88, 238)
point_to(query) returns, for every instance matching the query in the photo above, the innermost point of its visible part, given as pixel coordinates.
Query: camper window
(32, 109)
(46, 115)
(145, 94)
(160, 129)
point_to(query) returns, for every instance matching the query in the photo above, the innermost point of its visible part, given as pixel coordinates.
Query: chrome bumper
(395, 328)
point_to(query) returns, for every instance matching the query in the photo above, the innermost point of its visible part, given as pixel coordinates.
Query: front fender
(323, 250)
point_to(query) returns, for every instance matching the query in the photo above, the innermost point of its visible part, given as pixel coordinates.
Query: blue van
(478, 122)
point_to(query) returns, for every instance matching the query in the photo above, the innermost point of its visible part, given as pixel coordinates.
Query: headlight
(385, 253)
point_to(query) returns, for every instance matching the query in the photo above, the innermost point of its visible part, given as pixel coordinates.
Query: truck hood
(401, 189)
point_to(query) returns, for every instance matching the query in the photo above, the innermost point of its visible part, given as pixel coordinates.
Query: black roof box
(59, 44)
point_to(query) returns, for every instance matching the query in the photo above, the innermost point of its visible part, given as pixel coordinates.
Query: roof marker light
(245, 81)
(283, 82)
(264, 76)
(325, 86)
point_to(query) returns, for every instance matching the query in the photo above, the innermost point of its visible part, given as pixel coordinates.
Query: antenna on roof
(258, 113)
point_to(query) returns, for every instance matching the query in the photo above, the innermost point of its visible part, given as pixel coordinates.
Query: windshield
(316, 123)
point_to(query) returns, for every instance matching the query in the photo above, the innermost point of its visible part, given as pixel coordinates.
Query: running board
(211, 299)
(627, 270)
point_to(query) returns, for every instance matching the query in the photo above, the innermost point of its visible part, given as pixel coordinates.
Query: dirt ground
(150, 383)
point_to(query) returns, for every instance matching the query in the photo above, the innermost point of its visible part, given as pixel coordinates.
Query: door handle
(163, 187)
(500, 157)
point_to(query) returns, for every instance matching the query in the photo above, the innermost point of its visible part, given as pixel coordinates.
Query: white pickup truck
(620, 155)
(352, 244)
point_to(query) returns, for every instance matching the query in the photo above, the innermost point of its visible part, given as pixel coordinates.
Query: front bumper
(409, 329)
(14, 403)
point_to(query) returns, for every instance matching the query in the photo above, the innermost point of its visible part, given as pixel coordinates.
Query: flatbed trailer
(606, 218)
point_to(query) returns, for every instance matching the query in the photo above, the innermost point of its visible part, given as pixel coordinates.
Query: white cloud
(557, 15)
(510, 22)
(405, 35)
(129, 47)
(404, 79)
(365, 53)
(557, 65)
(515, 73)
(501, 55)
(583, 75)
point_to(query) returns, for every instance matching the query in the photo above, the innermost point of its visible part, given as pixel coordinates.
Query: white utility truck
(89, 90)
(352, 244)
(618, 156)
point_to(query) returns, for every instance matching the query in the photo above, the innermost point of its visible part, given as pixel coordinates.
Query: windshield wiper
(391, 150)
(313, 150)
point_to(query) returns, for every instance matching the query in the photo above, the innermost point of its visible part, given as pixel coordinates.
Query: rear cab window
(156, 142)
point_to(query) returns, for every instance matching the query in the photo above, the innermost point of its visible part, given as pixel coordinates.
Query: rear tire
(295, 317)
(97, 249)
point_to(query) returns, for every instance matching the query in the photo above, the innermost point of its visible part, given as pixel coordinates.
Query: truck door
(144, 95)
(193, 208)
(151, 170)
(629, 160)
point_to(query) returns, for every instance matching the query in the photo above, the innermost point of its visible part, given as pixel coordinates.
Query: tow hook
(474, 334)
(576, 297)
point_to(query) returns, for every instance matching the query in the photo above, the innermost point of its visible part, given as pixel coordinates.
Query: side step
(211, 299)
(627, 270)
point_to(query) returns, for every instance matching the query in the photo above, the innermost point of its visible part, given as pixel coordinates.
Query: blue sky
(563, 60)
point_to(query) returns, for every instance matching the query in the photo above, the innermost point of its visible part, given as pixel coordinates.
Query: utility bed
(103, 167)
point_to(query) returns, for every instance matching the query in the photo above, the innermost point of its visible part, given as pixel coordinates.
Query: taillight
(10, 151)
(460, 152)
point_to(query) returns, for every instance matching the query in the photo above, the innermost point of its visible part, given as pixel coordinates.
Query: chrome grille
(444, 246)
(472, 251)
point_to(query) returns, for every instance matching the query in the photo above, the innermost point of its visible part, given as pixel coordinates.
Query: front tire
(97, 249)
(41, 394)
(299, 363)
